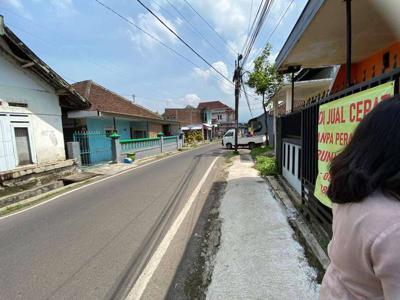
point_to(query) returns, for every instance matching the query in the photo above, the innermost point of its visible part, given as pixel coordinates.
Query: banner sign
(337, 121)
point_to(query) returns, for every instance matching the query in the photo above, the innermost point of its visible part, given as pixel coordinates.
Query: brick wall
(154, 128)
(186, 116)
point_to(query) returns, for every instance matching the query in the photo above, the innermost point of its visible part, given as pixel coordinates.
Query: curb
(279, 193)
(33, 201)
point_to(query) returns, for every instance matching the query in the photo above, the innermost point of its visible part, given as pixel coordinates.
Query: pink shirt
(364, 251)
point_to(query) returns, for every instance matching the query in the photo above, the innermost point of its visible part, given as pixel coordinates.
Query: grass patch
(260, 151)
(266, 165)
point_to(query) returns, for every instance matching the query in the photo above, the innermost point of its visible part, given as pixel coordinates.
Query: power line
(211, 27)
(195, 29)
(147, 33)
(183, 41)
(251, 14)
(252, 25)
(247, 98)
(277, 25)
(158, 40)
(260, 22)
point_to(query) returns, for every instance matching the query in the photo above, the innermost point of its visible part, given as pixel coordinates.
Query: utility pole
(237, 80)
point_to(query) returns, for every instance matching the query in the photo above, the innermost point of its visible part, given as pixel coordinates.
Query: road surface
(93, 243)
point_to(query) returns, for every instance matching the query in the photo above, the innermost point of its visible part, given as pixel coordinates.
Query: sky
(81, 40)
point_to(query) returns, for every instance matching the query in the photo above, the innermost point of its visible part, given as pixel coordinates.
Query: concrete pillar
(74, 152)
(161, 143)
(289, 101)
(275, 108)
(116, 149)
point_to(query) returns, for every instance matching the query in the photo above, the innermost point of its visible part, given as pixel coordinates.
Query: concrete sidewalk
(258, 256)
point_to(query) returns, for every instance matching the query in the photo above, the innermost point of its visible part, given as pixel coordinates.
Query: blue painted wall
(99, 145)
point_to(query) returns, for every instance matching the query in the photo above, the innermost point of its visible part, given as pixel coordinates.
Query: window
(17, 104)
(219, 117)
(138, 134)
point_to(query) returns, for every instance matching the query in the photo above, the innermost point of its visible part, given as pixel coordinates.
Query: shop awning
(319, 36)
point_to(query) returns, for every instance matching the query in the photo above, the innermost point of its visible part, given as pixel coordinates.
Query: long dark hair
(371, 161)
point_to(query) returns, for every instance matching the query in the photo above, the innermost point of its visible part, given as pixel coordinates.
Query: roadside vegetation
(265, 160)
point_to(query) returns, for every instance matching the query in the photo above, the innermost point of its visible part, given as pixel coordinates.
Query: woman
(365, 191)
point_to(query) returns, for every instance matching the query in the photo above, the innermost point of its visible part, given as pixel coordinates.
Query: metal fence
(95, 147)
(286, 127)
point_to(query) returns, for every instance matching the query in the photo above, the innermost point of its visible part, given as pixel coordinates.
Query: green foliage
(192, 137)
(266, 165)
(260, 151)
(265, 79)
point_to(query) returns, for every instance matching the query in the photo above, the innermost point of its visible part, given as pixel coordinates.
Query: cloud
(14, 3)
(150, 24)
(18, 6)
(188, 99)
(209, 75)
(63, 7)
(231, 18)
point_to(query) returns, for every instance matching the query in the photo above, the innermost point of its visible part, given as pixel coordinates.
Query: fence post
(74, 152)
(115, 148)
(161, 143)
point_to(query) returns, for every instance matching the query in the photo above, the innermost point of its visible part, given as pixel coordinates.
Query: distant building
(217, 113)
(214, 117)
(186, 116)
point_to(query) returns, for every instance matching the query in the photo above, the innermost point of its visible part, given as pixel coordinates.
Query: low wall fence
(91, 148)
(149, 146)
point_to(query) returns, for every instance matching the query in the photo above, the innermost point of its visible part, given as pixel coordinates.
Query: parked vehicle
(251, 142)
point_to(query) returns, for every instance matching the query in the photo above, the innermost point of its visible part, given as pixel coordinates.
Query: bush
(259, 151)
(193, 136)
(266, 165)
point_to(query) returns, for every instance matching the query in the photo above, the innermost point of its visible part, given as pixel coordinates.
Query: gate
(95, 147)
(314, 209)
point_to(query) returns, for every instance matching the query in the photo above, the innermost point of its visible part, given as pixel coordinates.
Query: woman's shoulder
(371, 216)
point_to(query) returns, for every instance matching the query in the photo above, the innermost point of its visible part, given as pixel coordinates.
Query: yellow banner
(337, 121)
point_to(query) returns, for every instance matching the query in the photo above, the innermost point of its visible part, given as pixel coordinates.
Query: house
(213, 118)
(32, 100)
(186, 116)
(219, 114)
(110, 113)
(367, 52)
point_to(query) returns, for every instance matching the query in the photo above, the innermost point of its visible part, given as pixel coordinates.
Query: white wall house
(31, 96)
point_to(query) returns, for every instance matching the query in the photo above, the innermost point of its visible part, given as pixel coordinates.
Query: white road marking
(95, 182)
(141, 283)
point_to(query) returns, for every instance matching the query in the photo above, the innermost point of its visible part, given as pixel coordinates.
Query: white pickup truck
(228, 140)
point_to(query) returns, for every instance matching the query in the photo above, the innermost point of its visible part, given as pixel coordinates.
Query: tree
(265, 79)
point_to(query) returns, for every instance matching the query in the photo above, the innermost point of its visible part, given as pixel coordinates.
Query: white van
(228, 141)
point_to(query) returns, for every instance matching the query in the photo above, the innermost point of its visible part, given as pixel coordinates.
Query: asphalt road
(94, 242)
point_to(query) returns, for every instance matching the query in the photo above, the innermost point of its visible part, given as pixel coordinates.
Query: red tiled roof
(105, 100)
(213, 105)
